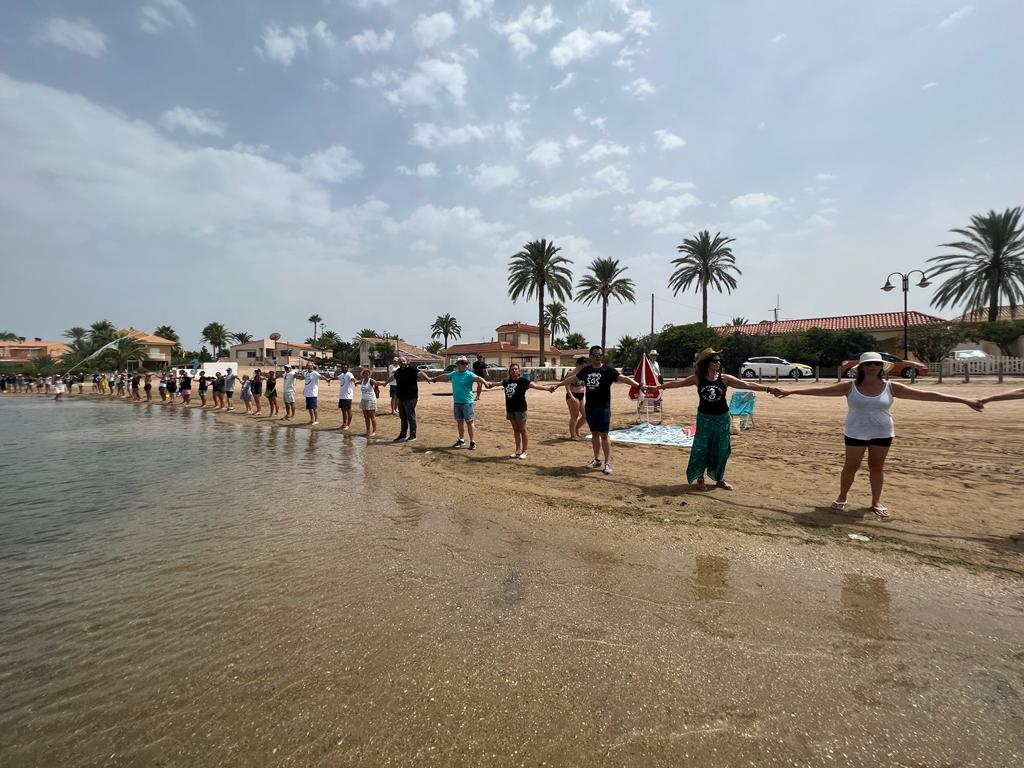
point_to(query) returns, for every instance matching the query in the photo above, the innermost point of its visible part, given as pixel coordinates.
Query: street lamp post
(906, 288)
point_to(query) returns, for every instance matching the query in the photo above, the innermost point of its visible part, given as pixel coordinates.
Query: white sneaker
(607, 469)
(596, 463)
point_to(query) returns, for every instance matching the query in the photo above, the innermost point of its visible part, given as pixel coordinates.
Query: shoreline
(647, 491)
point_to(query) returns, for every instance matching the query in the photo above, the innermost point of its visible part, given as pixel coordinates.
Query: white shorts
(289, 397)
(368, 407)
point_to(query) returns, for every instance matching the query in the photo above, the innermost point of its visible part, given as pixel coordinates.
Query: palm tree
(706, 262)
(77, 334)
(533, 271)
(128, 350)
(102, 332)
(8, 336)
(739, 321)
(366, 333)
(241, 337)
(328, 340)
(434, 347)
(166, 332)
(991, 264)
(605, 282)
(556, 317)
(447, 326)
(314, 319)
(217, 336)
(575, 340)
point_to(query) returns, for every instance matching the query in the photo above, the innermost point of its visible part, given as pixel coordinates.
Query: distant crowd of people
(869, 429)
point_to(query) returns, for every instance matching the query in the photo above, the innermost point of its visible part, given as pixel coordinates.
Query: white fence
(989, 366)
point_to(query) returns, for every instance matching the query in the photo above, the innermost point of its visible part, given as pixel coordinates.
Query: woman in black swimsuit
(148, 387)
(218, 391)
(256, 389)
(202, 388)
(272, 394)
(574, 394)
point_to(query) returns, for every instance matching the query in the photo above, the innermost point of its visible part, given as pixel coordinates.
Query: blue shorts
(463, 411)
(393, 390)
(310, 403)
(599, 419)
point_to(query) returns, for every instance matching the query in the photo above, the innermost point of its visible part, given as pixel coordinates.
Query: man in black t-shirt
(480, 369)
(406, 380)
(598, 379)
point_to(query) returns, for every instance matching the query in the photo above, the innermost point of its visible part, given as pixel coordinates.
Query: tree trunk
(704, 292)
(540, 322)
(993, 303)
(604, 323)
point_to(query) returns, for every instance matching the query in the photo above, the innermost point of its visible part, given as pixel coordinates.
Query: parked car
(767, 366)
(906, 369)
(966, 355)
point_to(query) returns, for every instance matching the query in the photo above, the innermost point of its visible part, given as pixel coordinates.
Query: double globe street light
(906, 288)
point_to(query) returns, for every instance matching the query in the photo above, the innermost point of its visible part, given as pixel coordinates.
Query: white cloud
(581, 45)
(612, 178)
(825, 177)
(423, 170)
(658, 184)
(79, 36)
(281, 45)
(602, 149)
(513, 132)
(322, 32)
(640, 88)
(779, 37)
(668, 140)
(641, 23)
(574, 142)
(371, 41)
(432, 30)
(369, 4)
(430, 136)
(753, 227)
(928, 86)
(472, 9)
(817, 220)
(432, 80)
(490, 177)
(545, 153)
(164, 14)
(660, 214)
(530, 21)
(193, 122)
(518, 103)
(755, 202)
(564, 82)
(580, 114)
(563, 202)
(327, 85)
(333, 164)
(955, 17)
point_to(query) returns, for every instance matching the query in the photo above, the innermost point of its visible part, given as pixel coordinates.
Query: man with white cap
(289, 392)
(652, 358)
(462, 380)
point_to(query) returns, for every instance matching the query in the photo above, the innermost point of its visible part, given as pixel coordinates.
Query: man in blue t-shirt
(462, 380)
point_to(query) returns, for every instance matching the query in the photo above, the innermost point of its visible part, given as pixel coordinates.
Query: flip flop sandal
(882, 513)
(840, 505)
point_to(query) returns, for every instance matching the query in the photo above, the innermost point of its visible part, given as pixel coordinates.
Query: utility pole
(776, 309)
(652, 314)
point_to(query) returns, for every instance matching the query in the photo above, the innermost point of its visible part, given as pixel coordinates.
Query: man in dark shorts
(407, 392)
(598, 379)
(186, 388)
(346, 390)
(229, 387)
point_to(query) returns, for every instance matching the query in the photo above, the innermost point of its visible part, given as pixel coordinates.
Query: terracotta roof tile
(882, 321)
(981, 315)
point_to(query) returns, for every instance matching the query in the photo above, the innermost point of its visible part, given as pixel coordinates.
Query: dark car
(905, 369)
(628, 370)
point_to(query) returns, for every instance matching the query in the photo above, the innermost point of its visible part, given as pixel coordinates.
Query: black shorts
(345, 404)
(885, 442)
(577, 395)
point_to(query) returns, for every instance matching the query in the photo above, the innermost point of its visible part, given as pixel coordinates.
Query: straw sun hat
(873, 357)
(704, 354)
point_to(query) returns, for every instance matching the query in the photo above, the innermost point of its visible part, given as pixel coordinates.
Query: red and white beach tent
(652, 398)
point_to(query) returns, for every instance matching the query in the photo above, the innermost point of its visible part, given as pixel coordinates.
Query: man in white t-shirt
(346, 388)
(652, 358)
(393, 388)
(310, 390)
(289, 392)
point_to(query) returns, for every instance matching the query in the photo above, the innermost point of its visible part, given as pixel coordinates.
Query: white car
(767, 366)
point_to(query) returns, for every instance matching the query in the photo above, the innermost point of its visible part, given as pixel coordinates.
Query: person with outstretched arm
(1013, 394)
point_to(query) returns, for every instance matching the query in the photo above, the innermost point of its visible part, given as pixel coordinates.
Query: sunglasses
(715, 360)
(871, 362)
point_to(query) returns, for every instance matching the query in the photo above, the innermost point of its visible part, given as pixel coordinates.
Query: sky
(378, 162)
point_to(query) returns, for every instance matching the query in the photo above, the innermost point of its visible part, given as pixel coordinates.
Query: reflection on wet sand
(865, 607)
(710, 578)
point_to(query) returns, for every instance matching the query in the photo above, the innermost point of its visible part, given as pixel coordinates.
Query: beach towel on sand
(654, 434)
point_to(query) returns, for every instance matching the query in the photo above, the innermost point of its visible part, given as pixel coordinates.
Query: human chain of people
(868, 431)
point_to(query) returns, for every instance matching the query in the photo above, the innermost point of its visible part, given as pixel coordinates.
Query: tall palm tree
(8, 336)
(556, 317)
(535, 270)
(77, 334)
(102, 332)
(991, 264)
(315, 319)
(328, 340)
(217, 336)
(739, 321)
(706, 262)
(241, 337)
(127, 350)
(446, 326)
(167, 332)
(605, 282)
(366, 333)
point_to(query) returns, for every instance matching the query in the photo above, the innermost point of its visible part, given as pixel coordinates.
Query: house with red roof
(512, 343)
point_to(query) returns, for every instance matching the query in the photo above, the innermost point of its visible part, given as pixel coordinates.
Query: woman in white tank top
(869, 425)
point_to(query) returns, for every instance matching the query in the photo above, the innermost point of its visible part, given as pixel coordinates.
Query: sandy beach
(953, 480)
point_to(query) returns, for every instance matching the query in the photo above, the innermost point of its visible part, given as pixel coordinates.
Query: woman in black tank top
(712, 443)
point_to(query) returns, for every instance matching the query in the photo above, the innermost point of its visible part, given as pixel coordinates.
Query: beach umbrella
(645, 375)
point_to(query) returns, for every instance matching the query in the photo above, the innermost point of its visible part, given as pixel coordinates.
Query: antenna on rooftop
(776, 309)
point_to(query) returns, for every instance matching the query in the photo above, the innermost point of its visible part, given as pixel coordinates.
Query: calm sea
(177, 591)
